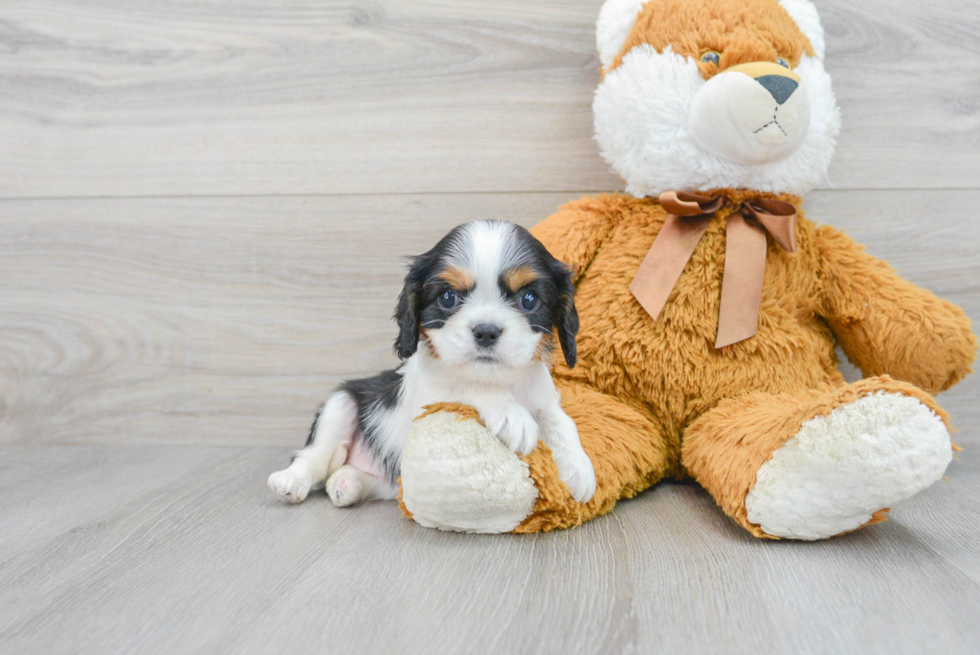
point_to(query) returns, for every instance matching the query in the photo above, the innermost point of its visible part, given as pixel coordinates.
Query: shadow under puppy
(475, 321)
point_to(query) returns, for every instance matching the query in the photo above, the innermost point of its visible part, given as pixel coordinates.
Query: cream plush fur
(457, 476)
(841, 468)
(658, 89)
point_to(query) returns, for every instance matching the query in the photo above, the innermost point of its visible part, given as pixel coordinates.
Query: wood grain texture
(203, 209)
(182, 549)
(227, 320)
(215, 97)
(222, 320)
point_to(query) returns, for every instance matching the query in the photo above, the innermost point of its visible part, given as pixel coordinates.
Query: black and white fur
(477, 342)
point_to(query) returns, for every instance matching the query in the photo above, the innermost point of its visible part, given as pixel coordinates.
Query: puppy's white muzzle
(750, 114)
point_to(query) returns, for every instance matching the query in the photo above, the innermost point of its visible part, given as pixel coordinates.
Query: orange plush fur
(654, 398)
(743, 32)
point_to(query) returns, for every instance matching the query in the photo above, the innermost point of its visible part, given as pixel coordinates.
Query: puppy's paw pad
(289, 486)
(344, 487)
(514, 426)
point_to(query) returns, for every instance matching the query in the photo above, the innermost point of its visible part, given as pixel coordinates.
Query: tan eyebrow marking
(458, 278)
(519, 277)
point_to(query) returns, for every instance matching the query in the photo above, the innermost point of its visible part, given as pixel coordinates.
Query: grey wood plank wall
(204, 205)
(222, 97)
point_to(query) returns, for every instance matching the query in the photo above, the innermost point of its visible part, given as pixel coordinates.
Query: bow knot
(745, 256)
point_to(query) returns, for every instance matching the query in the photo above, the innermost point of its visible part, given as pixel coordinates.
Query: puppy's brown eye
(448, 299)
(528, 301)
(711, 57)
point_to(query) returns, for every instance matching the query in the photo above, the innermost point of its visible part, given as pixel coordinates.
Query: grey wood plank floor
(182, 549)
(203, 210)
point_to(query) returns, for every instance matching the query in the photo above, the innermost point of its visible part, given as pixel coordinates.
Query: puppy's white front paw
(575, 470)
(291, 486)
(513, 425)
(574, 466)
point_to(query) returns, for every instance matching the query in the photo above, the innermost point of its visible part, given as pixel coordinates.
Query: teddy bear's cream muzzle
(751, 114)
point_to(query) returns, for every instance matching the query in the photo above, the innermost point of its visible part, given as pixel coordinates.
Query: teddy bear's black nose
(779, 87)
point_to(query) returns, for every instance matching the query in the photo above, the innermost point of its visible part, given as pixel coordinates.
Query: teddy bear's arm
(574, 233)
(887, 325)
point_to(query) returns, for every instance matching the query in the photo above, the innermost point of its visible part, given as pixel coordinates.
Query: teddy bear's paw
(290, 485)
(456, 475)
(344, 487)
(840, 469)
(513, 425)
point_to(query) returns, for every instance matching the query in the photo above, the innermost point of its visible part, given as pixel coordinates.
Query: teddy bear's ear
(615, 21)
(808, 20)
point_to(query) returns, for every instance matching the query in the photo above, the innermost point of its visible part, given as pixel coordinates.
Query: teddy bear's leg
(628, 449)
(457, 476)
(814, 464)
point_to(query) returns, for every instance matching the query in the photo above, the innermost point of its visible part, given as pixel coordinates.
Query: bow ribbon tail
(778, 217)
(665, 261)
(741, 287)
(745, 256)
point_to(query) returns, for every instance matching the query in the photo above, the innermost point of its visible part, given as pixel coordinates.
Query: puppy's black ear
(409, 305)
(566, 316)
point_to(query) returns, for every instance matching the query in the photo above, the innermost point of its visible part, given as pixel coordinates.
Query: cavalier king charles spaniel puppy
(475, 319)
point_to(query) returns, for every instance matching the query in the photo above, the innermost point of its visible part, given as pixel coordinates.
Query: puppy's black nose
(779, 87)
(486, 335)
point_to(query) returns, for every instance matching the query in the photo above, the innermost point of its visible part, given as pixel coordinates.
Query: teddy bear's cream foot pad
(457, 476)
(839, 469)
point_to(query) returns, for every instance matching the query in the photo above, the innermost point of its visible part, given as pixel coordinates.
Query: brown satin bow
(745, 256)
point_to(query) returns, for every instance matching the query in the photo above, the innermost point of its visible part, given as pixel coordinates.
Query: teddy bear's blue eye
(711, 57)
(782, 62)
(448, 299)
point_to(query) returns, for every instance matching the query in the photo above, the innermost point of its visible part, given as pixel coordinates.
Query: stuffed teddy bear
(710, 306)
